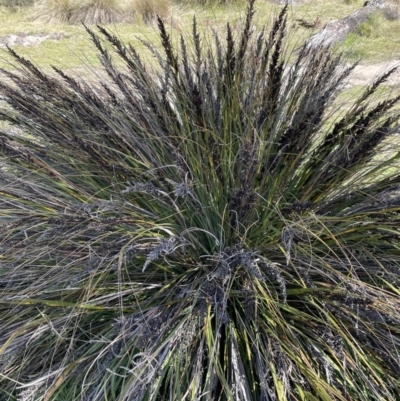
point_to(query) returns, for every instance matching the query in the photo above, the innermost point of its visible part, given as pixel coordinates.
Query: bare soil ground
(24, 39)
(365, 74)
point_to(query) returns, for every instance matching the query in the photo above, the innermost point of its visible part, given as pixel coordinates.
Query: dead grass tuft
(79, 11)
(91, 12)
(97, 12)
(392, 11)
(150, 9)
(53, 11)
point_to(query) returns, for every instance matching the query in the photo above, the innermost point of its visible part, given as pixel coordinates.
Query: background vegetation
(379, 43)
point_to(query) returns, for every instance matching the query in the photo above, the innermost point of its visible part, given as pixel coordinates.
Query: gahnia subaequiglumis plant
(200, 231)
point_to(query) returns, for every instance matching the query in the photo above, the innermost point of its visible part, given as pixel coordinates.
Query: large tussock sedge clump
(202, 231)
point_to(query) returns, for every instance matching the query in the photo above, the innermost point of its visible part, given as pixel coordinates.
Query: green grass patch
(375, 41)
